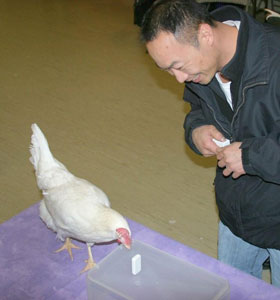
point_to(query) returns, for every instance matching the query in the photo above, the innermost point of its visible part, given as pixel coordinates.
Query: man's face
(182, 60)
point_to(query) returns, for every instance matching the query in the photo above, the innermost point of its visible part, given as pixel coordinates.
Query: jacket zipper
(243, 101)
(238, 108)
(214, 115)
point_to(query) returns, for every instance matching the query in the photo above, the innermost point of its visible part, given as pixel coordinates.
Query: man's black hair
(179, 17)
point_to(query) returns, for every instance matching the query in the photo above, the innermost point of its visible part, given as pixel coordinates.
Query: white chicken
(73, 207)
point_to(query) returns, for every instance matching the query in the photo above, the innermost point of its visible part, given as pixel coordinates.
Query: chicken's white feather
(71, 206)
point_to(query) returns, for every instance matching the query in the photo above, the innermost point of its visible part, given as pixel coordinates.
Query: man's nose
(180, 76)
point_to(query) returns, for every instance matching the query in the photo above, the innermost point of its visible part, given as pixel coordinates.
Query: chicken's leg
(90, 262)
(68, 245)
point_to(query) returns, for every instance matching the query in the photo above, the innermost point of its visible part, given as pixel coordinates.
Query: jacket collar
(232, 70)
(251, 47)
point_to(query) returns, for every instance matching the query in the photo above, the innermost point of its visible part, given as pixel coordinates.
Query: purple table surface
(29, 268)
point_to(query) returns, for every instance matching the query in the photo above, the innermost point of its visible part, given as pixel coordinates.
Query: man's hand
(203, 139)
(230, 158)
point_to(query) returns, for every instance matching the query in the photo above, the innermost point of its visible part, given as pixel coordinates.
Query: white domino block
(136, 264)
(221, 144)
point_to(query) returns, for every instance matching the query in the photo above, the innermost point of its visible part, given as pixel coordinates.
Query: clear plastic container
(162, 276)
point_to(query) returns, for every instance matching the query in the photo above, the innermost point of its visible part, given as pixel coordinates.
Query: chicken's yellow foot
(68, 245)
(90, 262)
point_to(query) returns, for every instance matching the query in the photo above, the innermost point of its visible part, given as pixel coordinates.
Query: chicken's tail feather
(39, 148)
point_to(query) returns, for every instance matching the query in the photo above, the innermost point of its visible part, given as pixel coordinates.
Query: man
(230, 64)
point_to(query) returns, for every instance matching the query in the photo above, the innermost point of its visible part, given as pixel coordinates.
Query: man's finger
(220, 156)
(236, 175)
(227, 172)
(221, 163)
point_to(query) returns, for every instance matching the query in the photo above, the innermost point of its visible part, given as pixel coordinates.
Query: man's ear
(205, 34)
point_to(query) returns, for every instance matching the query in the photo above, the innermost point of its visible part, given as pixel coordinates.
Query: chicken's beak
(127, 246)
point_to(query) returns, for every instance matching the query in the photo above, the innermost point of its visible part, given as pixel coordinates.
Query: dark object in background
(140, 7)
(272, 17)
(215, 5)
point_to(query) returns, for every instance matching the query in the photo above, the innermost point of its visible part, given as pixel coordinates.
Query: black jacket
(249, 205)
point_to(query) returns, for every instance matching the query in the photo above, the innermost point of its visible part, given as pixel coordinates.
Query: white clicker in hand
(221, 144)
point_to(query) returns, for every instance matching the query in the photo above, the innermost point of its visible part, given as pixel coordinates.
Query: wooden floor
(78, 69)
